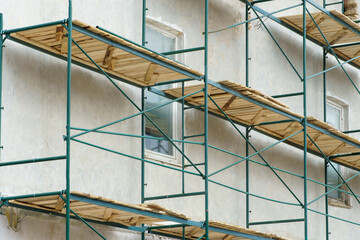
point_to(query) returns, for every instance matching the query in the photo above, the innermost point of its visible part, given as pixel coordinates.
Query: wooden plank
(227, 104)
(338, 36)
(150, 72)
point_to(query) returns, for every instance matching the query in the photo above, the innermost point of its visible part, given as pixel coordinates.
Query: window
(160, 38)
(337, 116)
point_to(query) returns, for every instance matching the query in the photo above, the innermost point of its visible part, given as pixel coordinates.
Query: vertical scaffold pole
(206, 120)
(305, 123)
(68, 112)
(247, 128)
(325, 120)
(143, 33)
(1, 63)
(143, 42)
(325, 162)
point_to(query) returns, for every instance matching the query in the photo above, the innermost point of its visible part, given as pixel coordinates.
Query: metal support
(247, 172)
(277, 221)
(206, 120)
(35, 160)
(143, 142)
(68, 121)
(333, 53)
(305, 124)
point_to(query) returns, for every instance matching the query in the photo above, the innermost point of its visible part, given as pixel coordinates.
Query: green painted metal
(142, 146)
(247, 166)
(184, 51)
(274, 122)
(166, 226)
(335, 188)
(136, 136)
(143, 43)
(206, 120)
(277, 221)
(333, 53)
(10, 31)
(337, 172)
(352, 131)
(337, 218)
(194, 136)
(35, 160)
(288, 95)
(134, 157)
(1, 66)
(173, 81)
(253, 195)
(143, 25)
(253, 19)
(68, 120)
(87, 224)
(305, 123)
(136, 52)
(345, 45)
(132, 116)
(325, 120)
(256, 153)
(237, 129)
(137, 107)
(182, 137)
(2, 199)
(336, 66)
(274, 39)
(1, 205)
(174, 195)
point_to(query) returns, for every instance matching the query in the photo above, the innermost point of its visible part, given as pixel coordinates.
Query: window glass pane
(163, 117)
(333, 116)
(333, 180)
(160, 42)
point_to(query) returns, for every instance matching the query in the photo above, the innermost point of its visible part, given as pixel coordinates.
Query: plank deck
(113, 60)
(100, 213)
(251, 114)
(334, 32)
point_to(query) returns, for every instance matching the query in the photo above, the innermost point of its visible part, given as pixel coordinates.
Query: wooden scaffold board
(253, 114)
(91, 207)
(334, 32)
(116, 56)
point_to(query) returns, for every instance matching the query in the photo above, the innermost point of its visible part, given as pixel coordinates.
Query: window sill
(163, 159)
(338, 203)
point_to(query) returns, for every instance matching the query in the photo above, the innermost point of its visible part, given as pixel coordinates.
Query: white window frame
(344, 201)
(171, 32)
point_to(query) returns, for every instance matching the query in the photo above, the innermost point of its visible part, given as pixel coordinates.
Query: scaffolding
(226, 100)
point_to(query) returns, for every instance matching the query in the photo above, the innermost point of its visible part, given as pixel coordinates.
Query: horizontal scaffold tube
(32, 195)
(174, 196)
(136, 158)
(35, 160)
(34, 27)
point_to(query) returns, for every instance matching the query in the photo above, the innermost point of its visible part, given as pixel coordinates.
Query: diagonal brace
(252, 146)
(332, 51)
(337, 172)
(138, 108)
(80, 218)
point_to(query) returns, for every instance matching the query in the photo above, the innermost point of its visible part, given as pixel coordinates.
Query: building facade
(33, 124)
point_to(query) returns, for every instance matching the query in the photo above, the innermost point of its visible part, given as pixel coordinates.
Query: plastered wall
(34, 95)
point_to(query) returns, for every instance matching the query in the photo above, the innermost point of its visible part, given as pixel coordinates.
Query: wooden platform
(334, 32)
(264, 110)
(104, 210)
(113, 54)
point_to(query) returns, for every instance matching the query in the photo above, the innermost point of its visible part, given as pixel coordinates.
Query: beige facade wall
(34, 96)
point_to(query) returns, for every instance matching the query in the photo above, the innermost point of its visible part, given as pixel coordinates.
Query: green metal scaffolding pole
(68, 122)
(247, 174)
(206, 119)
(305, 124)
